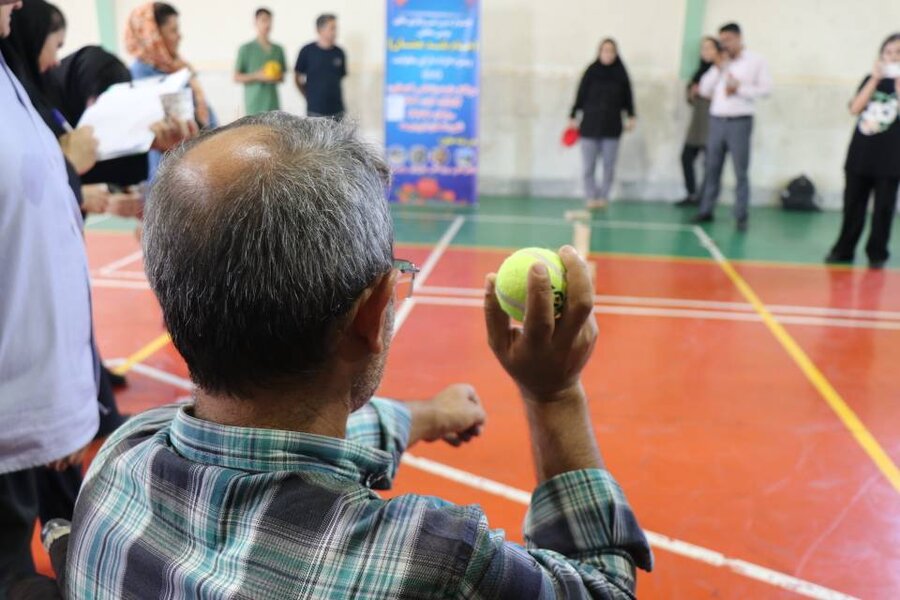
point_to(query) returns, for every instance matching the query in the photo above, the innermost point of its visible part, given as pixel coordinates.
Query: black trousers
(856, 203)
(689, 156)
(18, 512)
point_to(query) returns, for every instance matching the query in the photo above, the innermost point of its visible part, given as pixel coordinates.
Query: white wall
(535, 50)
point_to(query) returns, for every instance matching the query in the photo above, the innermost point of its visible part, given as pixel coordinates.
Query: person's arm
(579, 100)
(865, 91)
(300, 70)
(709, 80)
(343, 64)
(545, 358)
(454, 415)
(80, 148)
(582, 537)
(241, 70)
(628, 105)
(281, 64)
(761, 84)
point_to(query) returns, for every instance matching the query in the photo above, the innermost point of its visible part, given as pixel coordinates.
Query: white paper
(123, 114)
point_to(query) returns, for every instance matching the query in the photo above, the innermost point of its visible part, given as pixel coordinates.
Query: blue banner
(431, 100)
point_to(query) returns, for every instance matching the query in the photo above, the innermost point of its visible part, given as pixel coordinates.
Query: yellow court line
(143, 354)
(856, 427)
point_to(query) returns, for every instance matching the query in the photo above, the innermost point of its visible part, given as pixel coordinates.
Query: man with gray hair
(269, 245)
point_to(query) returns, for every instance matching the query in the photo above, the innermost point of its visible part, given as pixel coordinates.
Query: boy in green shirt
(260, 67)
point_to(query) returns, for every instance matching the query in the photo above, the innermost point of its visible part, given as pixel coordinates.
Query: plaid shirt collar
(272, 450)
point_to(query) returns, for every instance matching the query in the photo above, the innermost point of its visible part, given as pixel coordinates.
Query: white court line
(154, 373)
(662, 542)
(526, 220)
(119, 283)
(783, 309)
(95, 219)
(133, 275)
(439, 249)
(683, 313)
(427, 267)
(659, 541)
(116, 264)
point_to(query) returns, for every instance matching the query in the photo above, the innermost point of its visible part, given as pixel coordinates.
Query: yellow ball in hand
(511, 285)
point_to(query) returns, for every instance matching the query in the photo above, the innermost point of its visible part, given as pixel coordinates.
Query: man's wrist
(422, 420)
(565, 395)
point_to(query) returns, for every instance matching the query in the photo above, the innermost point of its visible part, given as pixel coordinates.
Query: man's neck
(263, 40)
(737, 53)
(321, 414)
(324, 45)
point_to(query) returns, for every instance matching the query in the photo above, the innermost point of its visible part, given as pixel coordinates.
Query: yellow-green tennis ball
(511, 285)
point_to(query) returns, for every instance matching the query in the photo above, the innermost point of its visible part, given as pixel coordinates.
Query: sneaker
(877, 264)
(689, 201)
(597, 203)
(703, 218)
(742, 225)
(837, 259)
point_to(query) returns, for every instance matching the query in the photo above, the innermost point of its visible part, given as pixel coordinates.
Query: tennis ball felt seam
(550, 266)
(515, 304)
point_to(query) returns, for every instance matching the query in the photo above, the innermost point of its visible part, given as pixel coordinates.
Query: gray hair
(254, 274)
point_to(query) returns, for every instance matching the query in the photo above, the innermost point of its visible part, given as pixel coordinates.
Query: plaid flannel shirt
(177, 507)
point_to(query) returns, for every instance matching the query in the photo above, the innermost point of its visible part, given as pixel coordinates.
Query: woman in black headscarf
(74, 85)
(695, 141)
(38, 31)
(603, 95)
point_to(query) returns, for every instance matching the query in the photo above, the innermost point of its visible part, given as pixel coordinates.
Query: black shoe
(689, 201)
(703, 218)
(836, 259)
(877, 264)
(742, 225)
(116, 380)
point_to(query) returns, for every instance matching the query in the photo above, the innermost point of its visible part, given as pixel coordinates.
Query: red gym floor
(749, 484)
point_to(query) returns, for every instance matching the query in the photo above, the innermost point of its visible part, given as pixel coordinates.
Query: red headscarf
(144, 41)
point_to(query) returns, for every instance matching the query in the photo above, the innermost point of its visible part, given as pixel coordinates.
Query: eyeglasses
(404, 287)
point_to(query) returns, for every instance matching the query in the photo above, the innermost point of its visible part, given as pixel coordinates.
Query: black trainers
(742, 225)
(703, 218)
(689, 201)
(877, 264)
(837, 259)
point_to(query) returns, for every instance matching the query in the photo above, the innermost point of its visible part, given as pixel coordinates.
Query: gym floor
(744, 394)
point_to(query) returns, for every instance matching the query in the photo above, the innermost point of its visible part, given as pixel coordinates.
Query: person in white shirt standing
(738, 78)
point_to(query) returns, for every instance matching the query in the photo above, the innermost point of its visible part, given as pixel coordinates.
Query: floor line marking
(682, 313)
(427, 267)
(116, 264)
(695, 303)
(831, 396)
(119, 283)
(526, 220)
(143, 354)
(662, 542)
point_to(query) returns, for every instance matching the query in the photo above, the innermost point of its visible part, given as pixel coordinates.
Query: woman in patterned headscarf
(152, 36)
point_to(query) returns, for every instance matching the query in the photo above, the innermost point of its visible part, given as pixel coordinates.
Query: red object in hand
(570, 136)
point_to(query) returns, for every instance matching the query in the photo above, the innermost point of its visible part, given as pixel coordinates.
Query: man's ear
(370, 319)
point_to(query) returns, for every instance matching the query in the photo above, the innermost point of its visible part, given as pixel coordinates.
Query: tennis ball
(511, 285)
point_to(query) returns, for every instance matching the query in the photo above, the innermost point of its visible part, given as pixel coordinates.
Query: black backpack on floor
(799, 195)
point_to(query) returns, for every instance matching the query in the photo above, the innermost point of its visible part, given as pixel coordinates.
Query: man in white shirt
(733, 84)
